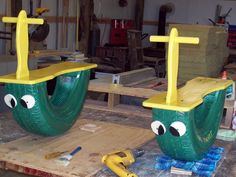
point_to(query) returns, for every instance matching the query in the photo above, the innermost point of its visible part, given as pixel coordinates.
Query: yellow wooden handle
(173, 60)
(9, 19)
(27, 21)
(159, 38)
(185, 40)
(22, 41)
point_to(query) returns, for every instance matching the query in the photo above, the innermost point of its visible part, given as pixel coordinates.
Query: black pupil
(174, 132)
(13, 104)
(23, 103)
(161, 130)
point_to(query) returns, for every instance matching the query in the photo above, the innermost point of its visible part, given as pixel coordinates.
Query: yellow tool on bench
(118, 161)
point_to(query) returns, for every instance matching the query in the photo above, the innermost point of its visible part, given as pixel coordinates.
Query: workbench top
(9, 131)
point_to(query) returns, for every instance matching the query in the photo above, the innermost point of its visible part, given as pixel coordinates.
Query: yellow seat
(189, 96)
(23, 75)
(41, 75)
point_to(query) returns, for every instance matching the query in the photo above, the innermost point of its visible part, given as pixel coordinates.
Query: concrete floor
(9, 131)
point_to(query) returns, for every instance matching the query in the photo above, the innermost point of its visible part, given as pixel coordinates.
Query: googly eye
(177, 128)
(158, 128)
(27, 101)
(10, 100)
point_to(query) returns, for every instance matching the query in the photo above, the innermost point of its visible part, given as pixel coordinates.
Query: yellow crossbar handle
(22, 42)
(173, 60)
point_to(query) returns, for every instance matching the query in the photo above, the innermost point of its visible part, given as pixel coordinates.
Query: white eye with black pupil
(177, 128)
(27, 101)
(158, 128)
(10, 100)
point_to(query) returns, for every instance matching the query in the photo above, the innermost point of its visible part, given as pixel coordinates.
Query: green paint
(55, 115)
(201, 123)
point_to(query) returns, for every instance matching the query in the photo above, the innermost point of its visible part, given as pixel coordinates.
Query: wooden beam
(139, 10)
(145, 22)
(8, 27)
(53, 19)
(134, 76)
(86, 14)
(64, 31)
(120, 90)
(16, 6)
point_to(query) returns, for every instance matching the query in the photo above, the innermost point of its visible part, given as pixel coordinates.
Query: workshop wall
(51, 41)
(186, 11)
(111, 9)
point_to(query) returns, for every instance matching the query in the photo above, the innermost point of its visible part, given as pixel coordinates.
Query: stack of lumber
(205, 59)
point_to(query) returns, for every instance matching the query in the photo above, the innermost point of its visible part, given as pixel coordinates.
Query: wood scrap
(27, 154)
(179, 171)
(129, 77)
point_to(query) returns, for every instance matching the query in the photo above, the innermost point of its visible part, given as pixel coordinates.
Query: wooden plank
(45, 53)
(119, 89)
(179, 171)
(27, 154)
(139, 10)
(129, 77)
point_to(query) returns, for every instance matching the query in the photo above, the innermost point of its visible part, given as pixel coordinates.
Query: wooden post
(139, 10)
(135, 54)
(64, 31)
(229, 106)
(8, 28)
(16, 6)
(113, 100)
(77, 25)
(86, 13)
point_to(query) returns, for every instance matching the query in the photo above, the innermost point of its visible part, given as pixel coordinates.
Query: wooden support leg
(113, 100)
(228, 117)
(229, 106)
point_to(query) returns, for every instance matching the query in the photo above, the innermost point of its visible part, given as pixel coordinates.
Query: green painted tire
(188, 135)
(35, 112)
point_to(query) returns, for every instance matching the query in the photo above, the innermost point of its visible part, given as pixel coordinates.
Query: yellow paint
(45, 74)
(23, 75)
(189, 96)
(22, 41)
(173, 60)
(41, 10)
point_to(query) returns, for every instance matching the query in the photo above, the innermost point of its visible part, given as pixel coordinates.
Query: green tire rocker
(27, 93)
(186, 120)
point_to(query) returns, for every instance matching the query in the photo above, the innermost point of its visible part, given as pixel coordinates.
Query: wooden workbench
(12, 131)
